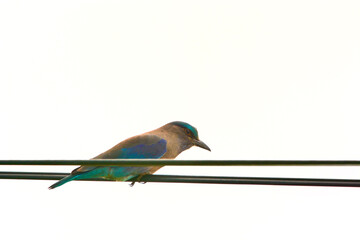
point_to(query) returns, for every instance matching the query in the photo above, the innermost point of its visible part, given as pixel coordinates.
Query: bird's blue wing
(139, 147)
(142, 146)
(155, 149)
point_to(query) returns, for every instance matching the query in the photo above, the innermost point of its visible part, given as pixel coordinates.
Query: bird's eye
(188, 132)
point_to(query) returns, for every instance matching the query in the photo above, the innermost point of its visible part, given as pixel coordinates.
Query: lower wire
(198, 179)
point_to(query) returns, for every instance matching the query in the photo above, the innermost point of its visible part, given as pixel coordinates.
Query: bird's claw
(137, 180)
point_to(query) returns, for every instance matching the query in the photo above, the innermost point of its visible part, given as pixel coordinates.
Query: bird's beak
(201, 144)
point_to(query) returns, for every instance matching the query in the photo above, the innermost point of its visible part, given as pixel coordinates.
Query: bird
(166, 142)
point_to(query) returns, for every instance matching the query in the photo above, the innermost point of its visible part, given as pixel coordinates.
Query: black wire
(199, 179)
(191, 179)
(142, 162)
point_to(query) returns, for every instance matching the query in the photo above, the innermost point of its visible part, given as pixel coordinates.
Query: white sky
(259, 79)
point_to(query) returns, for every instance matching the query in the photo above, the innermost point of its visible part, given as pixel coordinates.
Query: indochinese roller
(166, 142)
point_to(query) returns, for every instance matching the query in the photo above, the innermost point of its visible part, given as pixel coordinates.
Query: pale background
(259, 79)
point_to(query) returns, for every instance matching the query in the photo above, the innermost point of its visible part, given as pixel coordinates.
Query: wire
(142, 162)
(190, 179)
(198, 179)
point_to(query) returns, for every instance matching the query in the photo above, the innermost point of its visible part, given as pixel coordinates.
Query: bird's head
(188, 135)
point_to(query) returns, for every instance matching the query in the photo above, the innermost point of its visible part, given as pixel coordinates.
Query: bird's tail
(63, 181)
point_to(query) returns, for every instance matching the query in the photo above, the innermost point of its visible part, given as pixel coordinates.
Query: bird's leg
(138, 179)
